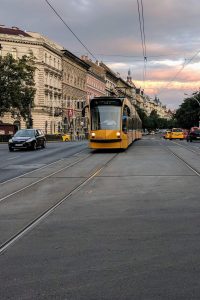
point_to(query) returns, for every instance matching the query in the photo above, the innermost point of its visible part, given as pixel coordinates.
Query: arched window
(17, 124)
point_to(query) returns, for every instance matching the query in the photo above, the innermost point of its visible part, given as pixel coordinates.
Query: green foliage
(188, 113)
(153, 121)
(16, 85)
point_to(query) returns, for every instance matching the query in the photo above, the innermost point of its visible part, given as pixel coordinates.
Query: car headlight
(29, 140)
(93, 134)
(10, 141)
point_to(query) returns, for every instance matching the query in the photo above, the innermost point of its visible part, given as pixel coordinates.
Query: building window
(14, 53)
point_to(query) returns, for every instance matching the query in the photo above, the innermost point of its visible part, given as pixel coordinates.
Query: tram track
(41, 168)
(43, 178)
(194, 170)
(45, 213)
(187, 147)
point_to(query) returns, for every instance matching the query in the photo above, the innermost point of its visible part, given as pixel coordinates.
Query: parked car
(27, 139)
(66, 137)
(194, 134)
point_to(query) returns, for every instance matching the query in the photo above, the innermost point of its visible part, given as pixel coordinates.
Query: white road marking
(13, 157)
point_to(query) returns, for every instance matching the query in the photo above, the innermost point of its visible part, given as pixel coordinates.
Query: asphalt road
(16, 163)
(127, 225)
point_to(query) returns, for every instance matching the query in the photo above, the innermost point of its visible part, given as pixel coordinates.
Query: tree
(143, 116)
(17, 86)
(188, 113)
(153, 121)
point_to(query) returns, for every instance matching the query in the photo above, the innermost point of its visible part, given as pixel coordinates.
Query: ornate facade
(95, 82)
(74, 91)
(46, 113)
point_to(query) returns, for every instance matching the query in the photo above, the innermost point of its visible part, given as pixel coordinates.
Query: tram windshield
(105, 117)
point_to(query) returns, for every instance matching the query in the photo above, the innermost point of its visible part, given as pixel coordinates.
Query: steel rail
(187, 147)
(182, 160)
(32, 224)
(43, 178)
(43, 167)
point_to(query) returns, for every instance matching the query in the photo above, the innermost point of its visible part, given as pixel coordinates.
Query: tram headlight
(118, 134)
(93, 134)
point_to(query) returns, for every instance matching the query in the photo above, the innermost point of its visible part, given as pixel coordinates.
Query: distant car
(194, 135)
(27, 139)
(167, 134)
(177, 133)
(152, 132)
(66, 137)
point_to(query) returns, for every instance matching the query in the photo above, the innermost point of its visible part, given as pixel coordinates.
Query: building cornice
(25, 41)
(96, 76)
(75, 59)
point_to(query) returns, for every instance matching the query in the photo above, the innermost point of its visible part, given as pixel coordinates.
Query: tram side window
(124, 124)
(95, 119)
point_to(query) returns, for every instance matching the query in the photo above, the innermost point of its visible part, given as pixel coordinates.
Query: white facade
(47, 109)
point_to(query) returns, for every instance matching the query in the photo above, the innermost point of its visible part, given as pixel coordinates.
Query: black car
(28, 139)
(193, 135)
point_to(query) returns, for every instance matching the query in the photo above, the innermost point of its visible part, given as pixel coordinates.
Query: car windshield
(24, 133)
(177, 130)
(196, 131)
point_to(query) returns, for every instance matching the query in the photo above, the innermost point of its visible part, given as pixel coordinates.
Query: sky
(110, 30)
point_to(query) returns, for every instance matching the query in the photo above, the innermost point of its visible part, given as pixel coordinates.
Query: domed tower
(129, 78)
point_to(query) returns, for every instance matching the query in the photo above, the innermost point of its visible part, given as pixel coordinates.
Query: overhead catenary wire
(143, 36)
(58, 15)
(181, 69)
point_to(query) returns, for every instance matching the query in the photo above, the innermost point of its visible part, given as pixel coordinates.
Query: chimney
(84, 57)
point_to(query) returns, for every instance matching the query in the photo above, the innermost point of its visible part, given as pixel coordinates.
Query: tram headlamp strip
(46, 213)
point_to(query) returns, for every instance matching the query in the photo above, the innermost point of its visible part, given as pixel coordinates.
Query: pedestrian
(77, 134)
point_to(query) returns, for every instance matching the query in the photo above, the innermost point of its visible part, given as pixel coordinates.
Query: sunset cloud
(110, 30)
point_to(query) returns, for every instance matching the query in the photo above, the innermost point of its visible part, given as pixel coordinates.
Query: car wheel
(66, 140)
(11, 149)
(44, 144)
(34, 146)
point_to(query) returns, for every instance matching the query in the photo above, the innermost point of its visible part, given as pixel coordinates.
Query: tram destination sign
(115, 102)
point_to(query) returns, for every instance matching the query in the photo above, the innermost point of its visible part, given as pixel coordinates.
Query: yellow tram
(114, 123)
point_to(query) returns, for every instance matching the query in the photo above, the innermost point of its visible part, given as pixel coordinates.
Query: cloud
(112, 28)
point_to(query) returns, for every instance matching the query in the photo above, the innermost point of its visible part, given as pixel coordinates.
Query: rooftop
(13, 31)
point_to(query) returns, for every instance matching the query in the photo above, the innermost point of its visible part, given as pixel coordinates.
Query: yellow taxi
(66, 137)
(177, 133)
(167, 134)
